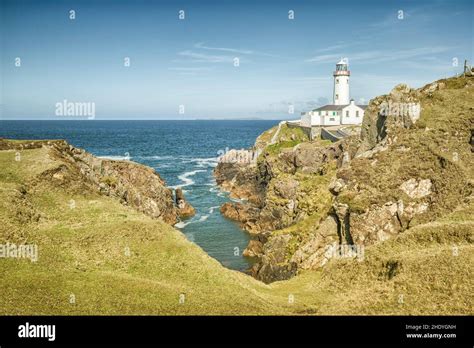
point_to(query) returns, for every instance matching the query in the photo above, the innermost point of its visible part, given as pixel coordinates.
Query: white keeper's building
(343, 111)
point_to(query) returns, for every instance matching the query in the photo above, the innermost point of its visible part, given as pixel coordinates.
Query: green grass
(288, 137)
(287, 132)
(276, 148)
(82, 251)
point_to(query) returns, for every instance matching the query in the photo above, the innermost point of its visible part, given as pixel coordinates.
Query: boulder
(273, 265)
(253, 249)
(399, 109)
(312, 254)
(416, 188)
(336, 186)
(185, 210)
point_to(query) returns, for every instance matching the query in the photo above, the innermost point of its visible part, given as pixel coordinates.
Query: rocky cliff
(310, 201)
(133, 184)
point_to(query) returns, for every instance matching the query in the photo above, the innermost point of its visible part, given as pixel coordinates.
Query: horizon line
(147, 119)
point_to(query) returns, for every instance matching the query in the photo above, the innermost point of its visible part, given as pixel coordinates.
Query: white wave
(162, 166)
(200, 159)
(182, 224)
(203, 218)
(203, 162)
(157, 157)
(208, 164)
(237, 200)
(185, 178)
(211, 209)
(213, 181)
(116, 158)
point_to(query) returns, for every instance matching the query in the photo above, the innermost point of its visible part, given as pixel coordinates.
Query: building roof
(332, 107)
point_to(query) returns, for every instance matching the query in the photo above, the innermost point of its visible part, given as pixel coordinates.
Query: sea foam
(116, 158)
(185, 178)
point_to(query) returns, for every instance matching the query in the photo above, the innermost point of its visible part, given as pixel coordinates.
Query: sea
(183, 152)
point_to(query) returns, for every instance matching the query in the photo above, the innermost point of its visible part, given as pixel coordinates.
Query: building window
(357, 113)
(331, 119)
(337, 96)
(337, 80)
(327, 113)
(347, 113)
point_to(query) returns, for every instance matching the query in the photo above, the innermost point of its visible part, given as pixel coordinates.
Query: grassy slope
(82, 252)
(287, 138)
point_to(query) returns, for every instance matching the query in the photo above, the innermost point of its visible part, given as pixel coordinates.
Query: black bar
(327, 330)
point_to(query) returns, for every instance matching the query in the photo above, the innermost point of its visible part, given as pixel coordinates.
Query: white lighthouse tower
(341, 84)
(343, 111)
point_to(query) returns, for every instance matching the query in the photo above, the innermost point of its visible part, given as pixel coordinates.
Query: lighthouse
(341, 84)
(342, 111)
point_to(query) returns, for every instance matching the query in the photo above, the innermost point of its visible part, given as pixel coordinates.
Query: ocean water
(184, 153)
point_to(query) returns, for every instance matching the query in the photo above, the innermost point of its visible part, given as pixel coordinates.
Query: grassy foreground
(97, 256)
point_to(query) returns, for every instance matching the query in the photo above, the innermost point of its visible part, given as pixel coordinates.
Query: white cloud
(189, 69)
(334, 47)
(381, 56)
(201, 45)
(206, 58)
(224, 49)
(199, 55)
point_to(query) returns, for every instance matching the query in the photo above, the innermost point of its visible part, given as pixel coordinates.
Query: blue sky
(190, 62)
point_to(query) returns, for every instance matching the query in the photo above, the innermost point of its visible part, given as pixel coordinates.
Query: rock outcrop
(400, 108)
(185, 210)
(240, 180)
(410, 170)
(311, 200)
(135, 185)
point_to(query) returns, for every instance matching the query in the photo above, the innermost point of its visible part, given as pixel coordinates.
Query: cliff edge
(311, 201)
